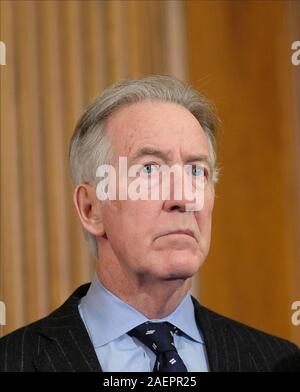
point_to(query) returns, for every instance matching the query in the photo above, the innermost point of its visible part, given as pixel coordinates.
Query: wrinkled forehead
(160, 125)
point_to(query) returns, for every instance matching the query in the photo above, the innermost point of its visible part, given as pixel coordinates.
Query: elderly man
(138, 313)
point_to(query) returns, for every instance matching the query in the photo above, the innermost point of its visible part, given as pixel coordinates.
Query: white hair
(90, 146)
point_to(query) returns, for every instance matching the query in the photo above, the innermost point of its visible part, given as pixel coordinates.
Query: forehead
(160, 124)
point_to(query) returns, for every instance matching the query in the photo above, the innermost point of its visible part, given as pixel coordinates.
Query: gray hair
(90, 146)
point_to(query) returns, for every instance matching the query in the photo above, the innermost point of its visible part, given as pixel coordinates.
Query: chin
(182, 267)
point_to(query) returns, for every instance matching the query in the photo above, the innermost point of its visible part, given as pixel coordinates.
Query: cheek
(204, 216)
(134, 219)
(209, 200)
(142, 209)
(204, 223)
(141, 218)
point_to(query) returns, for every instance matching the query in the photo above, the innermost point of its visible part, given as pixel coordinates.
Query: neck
(155, 298)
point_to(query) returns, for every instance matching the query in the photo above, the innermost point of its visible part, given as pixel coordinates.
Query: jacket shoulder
(264, 351)
(19, 348)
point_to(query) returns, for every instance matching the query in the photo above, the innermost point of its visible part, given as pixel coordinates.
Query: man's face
(139, 232)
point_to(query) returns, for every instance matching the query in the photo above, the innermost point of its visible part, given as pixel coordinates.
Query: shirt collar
(107, 317)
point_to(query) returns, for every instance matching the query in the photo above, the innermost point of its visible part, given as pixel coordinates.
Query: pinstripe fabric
(60, 343)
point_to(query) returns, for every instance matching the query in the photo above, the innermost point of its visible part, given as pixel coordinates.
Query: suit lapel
(65, 344)
(66, 350)
(222, 345)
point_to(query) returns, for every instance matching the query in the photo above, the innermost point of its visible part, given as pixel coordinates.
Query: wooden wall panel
(72, 92)
(294, 30)
(239, 55)
(12, 257)
(29, 140)
(54, 150)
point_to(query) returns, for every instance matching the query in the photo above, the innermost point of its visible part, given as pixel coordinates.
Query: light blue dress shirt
(108, 319)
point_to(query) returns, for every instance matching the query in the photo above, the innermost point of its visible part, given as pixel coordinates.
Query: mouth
(180, 232)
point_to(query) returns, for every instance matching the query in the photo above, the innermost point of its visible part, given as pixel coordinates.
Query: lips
(186, 232)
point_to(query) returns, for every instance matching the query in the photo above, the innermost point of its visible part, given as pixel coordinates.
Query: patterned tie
(159, 338)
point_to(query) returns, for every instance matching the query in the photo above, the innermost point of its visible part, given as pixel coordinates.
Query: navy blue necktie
(159, 338)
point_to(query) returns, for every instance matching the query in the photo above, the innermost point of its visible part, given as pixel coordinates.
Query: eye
(197, 170)
(150, 168)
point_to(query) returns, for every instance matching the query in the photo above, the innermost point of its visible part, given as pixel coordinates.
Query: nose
(175, 205)
(176, 199)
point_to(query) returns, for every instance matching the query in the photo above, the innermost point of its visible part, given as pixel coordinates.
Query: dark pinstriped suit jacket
(60, 342)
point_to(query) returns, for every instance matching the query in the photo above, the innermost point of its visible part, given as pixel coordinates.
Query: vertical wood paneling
(95, 62)
(294, 30)
(58, 236)
(31, 164)
(71, 54)
(12, 256)
(175, 37)
(158, 48)
(117, 40)
(139, 19)
(242, 50)
(134, 46)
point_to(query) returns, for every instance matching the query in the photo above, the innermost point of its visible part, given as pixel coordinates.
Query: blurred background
(61, 54)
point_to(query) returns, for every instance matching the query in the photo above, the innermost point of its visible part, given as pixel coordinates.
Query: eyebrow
(165, 155)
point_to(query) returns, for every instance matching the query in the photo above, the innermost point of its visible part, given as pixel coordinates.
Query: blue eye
(150, 168)
(197, 170)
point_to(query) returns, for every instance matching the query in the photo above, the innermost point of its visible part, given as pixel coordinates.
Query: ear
(89, 209)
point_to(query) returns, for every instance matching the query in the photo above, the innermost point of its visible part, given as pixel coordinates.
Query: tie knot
(157, 336)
